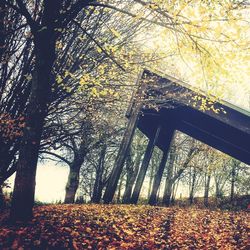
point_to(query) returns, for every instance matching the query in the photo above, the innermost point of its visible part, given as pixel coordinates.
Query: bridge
(224, 126)
(163, 105)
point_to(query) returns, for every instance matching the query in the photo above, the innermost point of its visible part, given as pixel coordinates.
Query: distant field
(128, 227)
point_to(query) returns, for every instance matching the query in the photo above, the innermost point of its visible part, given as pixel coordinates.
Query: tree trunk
(122, 154)
(157, 179)
(74, 173)
(191, 194)
(144, 167)
(96, 198)
(3, 32)
(169, 179)
(206, 193)
(218, 191)
(1, 198)
(151, 179)
(129, 175)
(98, 186)
(233, 179)
(72, 184)
(131, 180)
(174, 188)
(119, 190)
(23, 195)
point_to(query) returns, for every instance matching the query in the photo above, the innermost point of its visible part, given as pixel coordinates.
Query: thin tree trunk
(98, 195)
(169, 179)
(151, 179)
(167, 192)
(3, 33)
(131, 181)
(128, 188)
(24, 190)
(1, 197)
(191, 194)
(119, 190)
(175, 188)
(129, 171)
(233, 179)
(217, 190)
(91, 186)
(98, 186)
(144, 167)
(158, 193)
(157, 179)
(206, 193)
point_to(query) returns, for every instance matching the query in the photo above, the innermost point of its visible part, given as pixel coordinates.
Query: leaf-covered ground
(128, 227)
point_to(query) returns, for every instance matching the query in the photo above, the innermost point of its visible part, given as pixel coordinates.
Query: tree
(133, 163)
(181, 155)
(221, 175)
(43, 29)
(16, 55)
(153, 171)
(207, 186)
(98, 185)
(235, 166)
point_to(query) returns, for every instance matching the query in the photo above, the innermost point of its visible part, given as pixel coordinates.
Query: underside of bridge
(227, 129)
(163, 105)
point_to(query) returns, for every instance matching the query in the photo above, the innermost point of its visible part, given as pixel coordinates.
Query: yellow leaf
(116, 33)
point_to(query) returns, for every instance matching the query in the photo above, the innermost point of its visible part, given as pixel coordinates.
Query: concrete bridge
(227, 129)
(163, 105)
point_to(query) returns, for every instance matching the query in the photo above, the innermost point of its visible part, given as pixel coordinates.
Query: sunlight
(51, 180)
(50, 183)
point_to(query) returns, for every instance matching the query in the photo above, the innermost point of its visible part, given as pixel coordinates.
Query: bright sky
(51, 181)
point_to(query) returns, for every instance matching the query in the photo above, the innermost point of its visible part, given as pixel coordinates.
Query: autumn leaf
(127, 227)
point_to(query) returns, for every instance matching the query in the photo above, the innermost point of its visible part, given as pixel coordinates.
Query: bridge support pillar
(159, 173)
(144, 166)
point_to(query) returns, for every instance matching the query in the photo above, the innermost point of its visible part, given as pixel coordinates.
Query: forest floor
(127, 227)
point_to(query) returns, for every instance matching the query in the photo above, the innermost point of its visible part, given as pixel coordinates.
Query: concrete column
(159, 173)
(144, 166)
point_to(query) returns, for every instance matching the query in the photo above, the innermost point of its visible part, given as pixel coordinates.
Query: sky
(51, 180)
